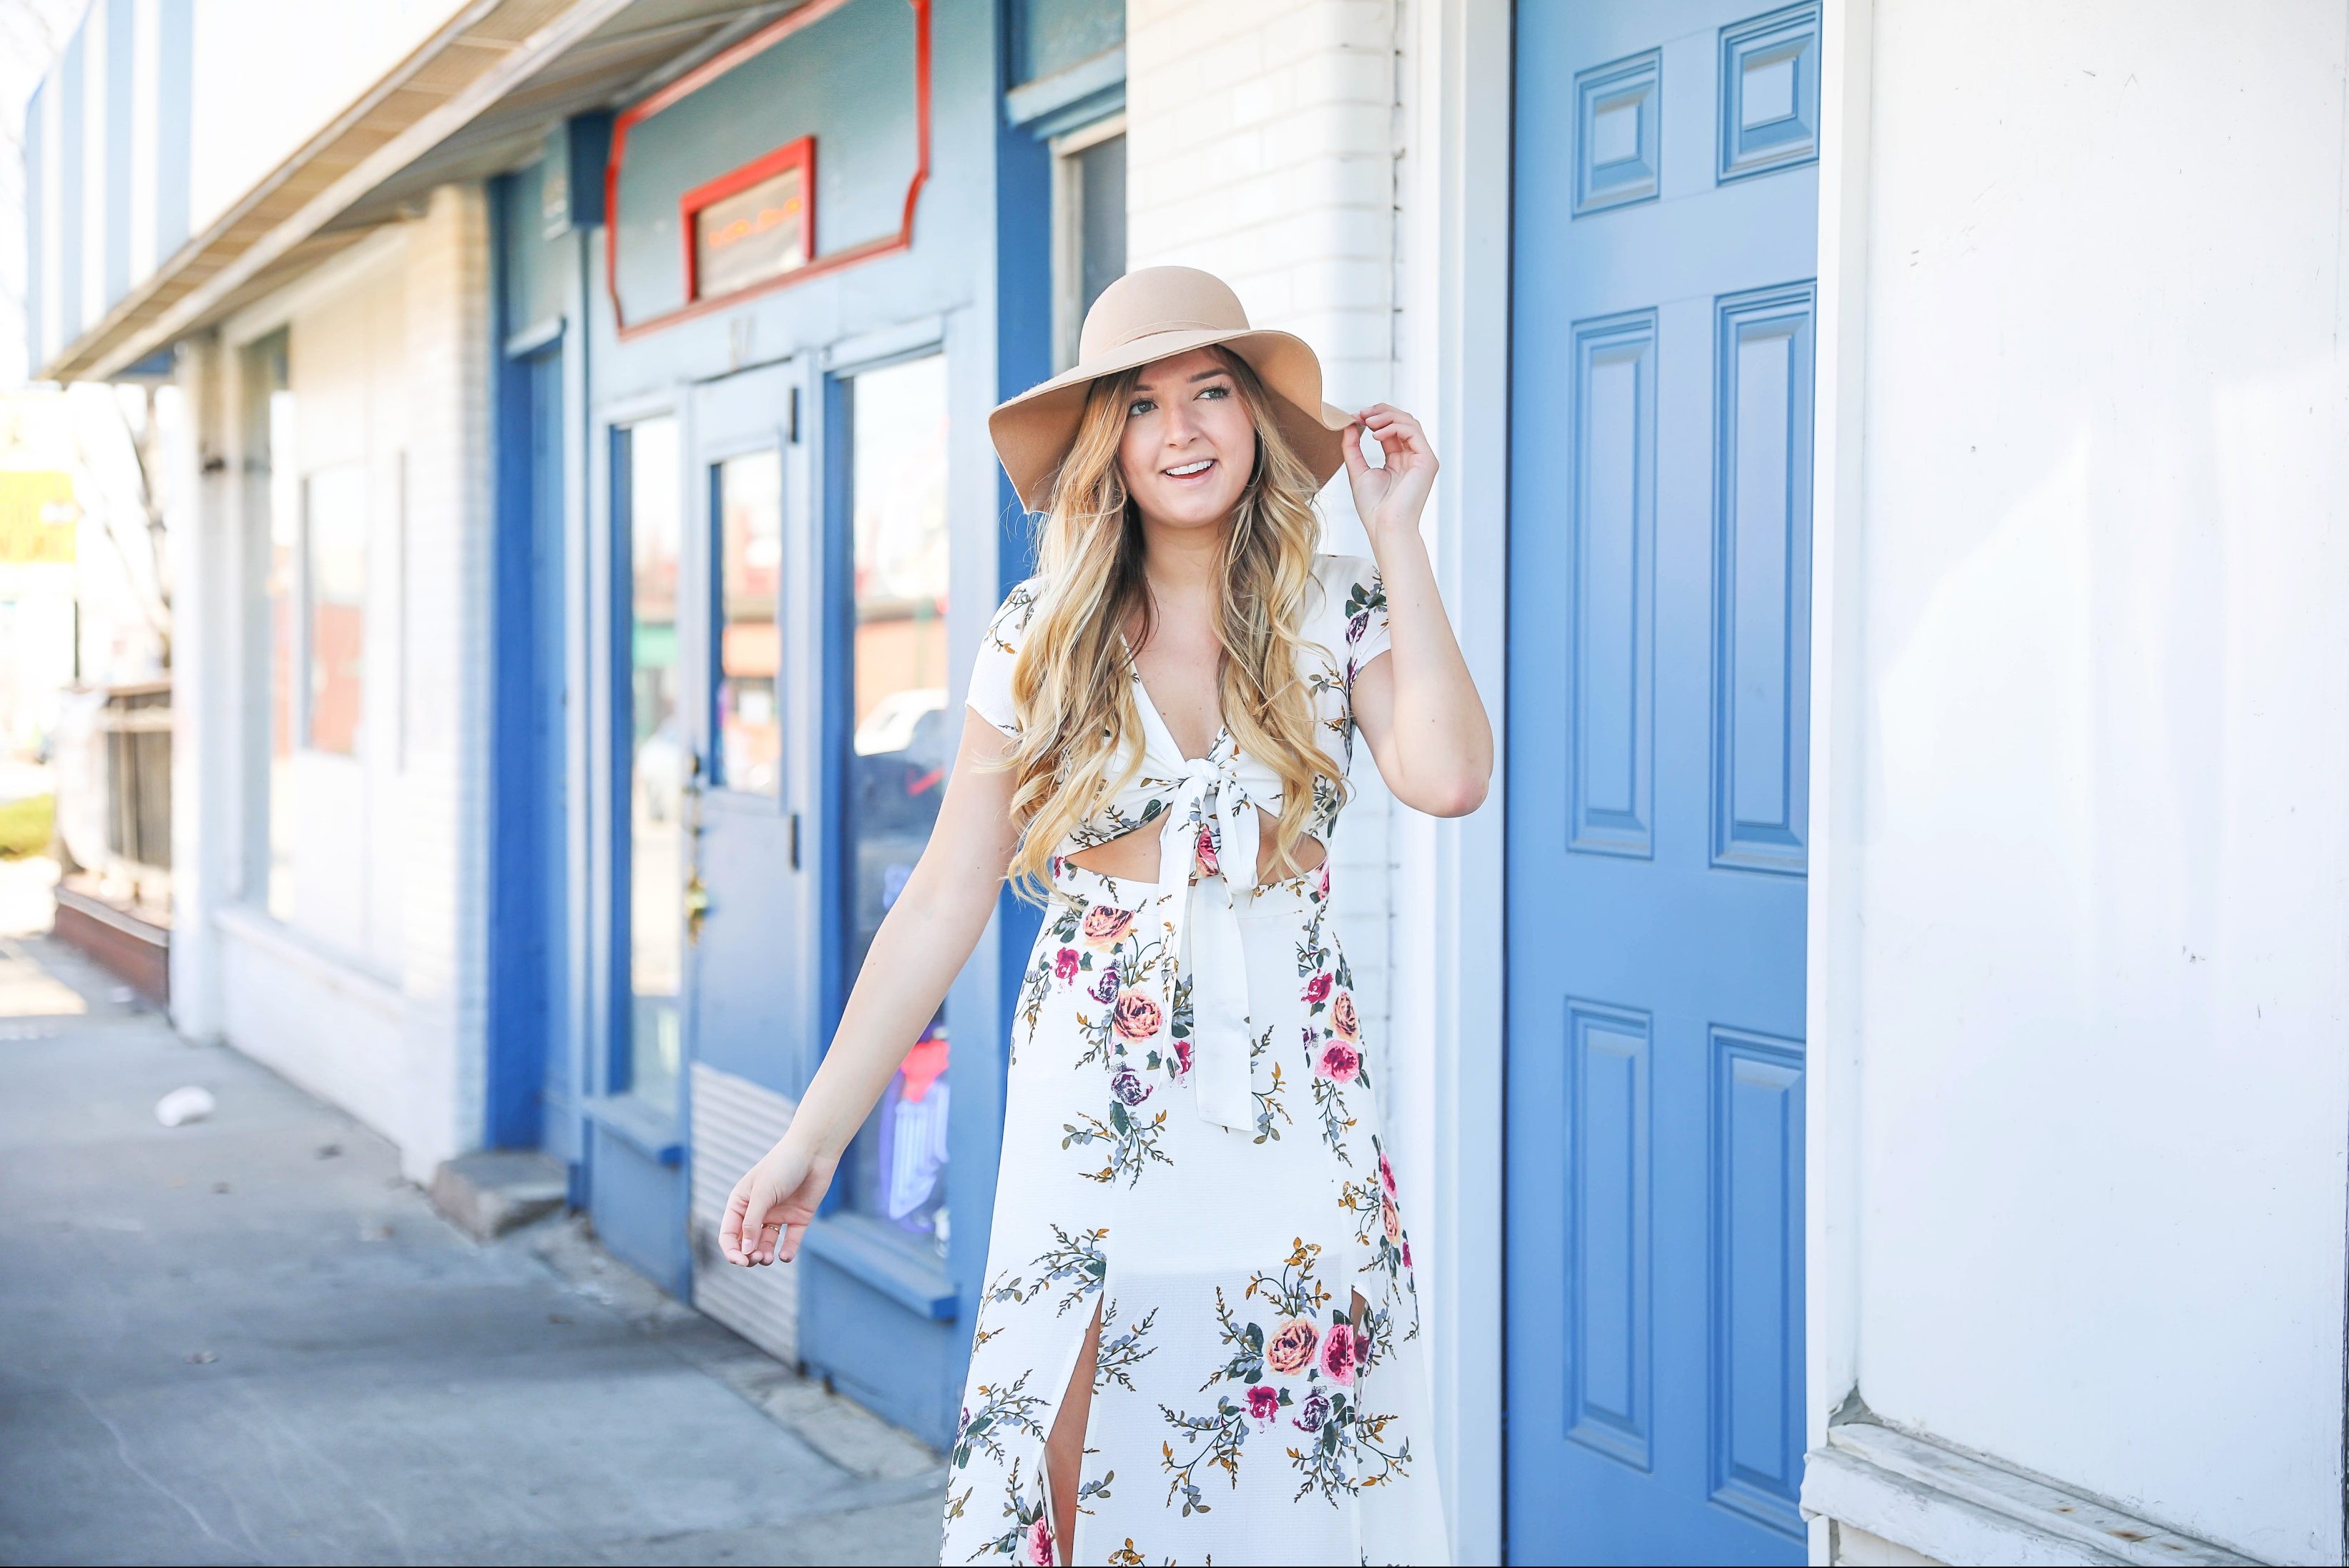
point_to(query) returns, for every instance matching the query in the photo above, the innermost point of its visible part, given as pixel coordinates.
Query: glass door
(744, 812)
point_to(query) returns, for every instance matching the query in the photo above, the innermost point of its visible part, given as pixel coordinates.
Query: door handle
(697, 906)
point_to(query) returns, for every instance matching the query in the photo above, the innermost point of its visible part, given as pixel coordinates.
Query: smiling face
(1189, 444)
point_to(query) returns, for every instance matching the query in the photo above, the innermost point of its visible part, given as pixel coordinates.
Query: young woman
(1198, 1337)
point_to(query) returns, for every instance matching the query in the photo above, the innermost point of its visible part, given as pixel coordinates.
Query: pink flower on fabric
(1105, 927)
(1136, 1016)
(1343, 1015)
(1340, 1063)
(1324, 889)
(1291, 1348)
(1065, 968)
(1406, 1253)
(1182, 1060)
(1339, 1354)
(1318, 988)
(1208, 865)
(1386, 1174)
(1035, 1544)
(1390, 1217)
(1264, 1403)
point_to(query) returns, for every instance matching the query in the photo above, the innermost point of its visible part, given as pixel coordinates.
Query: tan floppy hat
(1151, 315)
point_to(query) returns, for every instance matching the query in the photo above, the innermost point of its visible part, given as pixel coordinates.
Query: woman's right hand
(771, 1205)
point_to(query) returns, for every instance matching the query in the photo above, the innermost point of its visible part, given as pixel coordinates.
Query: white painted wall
(379, 1006)
(2090, 913)
(1452, 358)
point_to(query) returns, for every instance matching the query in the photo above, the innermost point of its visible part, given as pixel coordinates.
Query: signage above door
(750, 226)
(854, 74)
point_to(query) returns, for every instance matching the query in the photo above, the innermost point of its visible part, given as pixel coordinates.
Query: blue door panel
(1754, 1156)
(1761, 563)
(1611, 1269)
(1659, 564)
(1614, 525)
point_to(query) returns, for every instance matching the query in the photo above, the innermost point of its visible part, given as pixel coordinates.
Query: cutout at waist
(1134, 855)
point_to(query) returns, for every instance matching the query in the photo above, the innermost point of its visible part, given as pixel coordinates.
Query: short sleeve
(1365, 609)
(999, 651)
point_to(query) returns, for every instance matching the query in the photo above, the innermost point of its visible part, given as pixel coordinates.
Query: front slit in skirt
(1259, 1394)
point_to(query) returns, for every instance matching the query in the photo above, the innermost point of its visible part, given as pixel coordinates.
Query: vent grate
(736, 1121)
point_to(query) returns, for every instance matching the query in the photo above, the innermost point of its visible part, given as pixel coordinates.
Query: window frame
(1069, 231)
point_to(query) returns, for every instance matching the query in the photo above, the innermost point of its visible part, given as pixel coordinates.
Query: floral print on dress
(1295, 1380)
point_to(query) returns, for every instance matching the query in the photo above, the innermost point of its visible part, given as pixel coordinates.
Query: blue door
(529, 1095)
(1664, 248)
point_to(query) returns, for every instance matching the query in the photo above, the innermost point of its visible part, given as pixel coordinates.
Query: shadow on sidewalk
(247, 1339)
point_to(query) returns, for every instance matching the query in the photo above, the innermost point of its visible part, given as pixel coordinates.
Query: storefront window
(650, 482)
(748, 503)
(900, 746)
(335, 577)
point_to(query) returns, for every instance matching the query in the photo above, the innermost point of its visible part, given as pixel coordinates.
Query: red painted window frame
(799, 155)
(709, 71)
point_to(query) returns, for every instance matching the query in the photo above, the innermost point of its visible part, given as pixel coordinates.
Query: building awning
(473, 100)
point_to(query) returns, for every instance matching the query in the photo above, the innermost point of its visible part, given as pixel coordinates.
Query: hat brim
(1034, 431)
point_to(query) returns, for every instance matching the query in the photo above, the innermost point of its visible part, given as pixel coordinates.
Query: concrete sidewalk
(246, 1340)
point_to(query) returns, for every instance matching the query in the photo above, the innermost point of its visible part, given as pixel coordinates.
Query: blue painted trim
(647, 1128)
(175, 62)
(36, 223)
(531, 338)
(835, 704)
(121, 41)
(851, 1242)
(1105, 72)
(1083, 111)
(1023, 357)
(566, 1130)
(583, 145)
(70, 184)
(610, 1074)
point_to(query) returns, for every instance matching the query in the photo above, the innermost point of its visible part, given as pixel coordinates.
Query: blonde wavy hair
(1079, 727)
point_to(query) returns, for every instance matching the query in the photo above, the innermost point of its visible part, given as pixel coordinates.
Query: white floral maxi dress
(1192, 1149)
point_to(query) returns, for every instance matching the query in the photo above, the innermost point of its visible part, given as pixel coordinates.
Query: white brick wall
(448, 637)
(1261, 146)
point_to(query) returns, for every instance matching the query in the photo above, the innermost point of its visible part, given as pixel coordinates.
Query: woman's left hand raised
(1390, 497)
